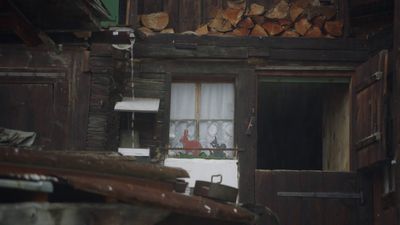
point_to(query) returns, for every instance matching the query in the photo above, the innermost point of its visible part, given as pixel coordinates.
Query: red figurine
(189, 145)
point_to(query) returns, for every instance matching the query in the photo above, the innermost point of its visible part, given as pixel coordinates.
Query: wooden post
(132, 11)
(344, 14)
(396, 101)
(246, 133)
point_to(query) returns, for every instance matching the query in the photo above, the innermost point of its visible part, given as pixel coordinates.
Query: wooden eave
(173, 46)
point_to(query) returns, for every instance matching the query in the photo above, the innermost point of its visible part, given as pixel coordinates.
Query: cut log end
(168, 31)
(258, 31)
(241, 32)
(279, 11)
(220, 25)
(302, 26)
(236, 4)
(246, 23)
(334, 28)
(295, 12)
(202, 30)
(233, 15)
(256, 10)
(144, 32)
(314, 32)
(155, 21)
(272, 28)
(290, 33)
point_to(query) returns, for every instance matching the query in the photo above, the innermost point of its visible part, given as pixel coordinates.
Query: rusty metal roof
(126, 181)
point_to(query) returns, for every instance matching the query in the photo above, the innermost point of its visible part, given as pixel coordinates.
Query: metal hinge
(377, 75)
(328, 195)
(368, 140)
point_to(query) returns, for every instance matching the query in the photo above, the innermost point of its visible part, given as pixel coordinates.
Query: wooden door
(28, 107)
(369, 109)
(311, 197)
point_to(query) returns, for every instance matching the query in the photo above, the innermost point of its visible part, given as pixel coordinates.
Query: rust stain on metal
(89, 163)
(188, 205)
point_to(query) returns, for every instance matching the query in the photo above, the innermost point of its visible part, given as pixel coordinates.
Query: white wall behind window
(203, 169)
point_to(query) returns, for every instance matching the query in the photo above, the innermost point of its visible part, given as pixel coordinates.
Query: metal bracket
(377, 75)
(368, 140)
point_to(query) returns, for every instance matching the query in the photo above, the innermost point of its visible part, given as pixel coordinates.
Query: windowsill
(203, 169)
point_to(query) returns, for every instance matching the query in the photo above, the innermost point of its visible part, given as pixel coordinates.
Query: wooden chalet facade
(331, 106)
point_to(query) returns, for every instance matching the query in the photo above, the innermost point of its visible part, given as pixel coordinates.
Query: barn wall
(47, 93)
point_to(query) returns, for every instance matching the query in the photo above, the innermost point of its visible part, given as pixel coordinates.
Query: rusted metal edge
(11, 170)
(89, 163)
(178, 203)
(80, 213)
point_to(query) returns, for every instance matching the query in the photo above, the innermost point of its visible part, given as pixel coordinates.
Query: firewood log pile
(296, 18)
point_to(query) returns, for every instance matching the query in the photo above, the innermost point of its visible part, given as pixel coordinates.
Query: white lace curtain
(213, 126)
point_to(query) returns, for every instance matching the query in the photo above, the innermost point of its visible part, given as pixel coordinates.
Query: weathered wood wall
(47, 93)
(106, 68)
(160, 59)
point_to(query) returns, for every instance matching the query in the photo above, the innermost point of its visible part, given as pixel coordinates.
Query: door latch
(250, 125)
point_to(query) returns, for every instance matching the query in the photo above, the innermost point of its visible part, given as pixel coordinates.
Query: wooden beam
(396, 100)
(16, 21)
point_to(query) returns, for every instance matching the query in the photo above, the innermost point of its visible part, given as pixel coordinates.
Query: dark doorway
(303, 125)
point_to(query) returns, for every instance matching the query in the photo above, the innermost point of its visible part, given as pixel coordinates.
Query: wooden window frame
(198, 81)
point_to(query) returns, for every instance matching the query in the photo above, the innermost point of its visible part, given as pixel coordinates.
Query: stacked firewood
(297, 18)
(154, 23)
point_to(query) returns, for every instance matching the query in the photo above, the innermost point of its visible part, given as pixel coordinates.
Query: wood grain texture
(189, 15)
(49, 93)
(310, 211)
(369, 112)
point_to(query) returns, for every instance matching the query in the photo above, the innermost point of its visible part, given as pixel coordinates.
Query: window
(202, 118)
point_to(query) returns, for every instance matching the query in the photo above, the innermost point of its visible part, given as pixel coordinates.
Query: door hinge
(368, 140)
(377, 75)
(328, 195)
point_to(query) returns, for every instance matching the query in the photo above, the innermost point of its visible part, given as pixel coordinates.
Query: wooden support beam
(16, 21)
(396, 100)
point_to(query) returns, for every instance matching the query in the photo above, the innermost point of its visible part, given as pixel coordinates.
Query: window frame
(198, 82)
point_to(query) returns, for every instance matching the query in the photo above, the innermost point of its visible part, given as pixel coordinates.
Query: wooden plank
(271, 42)
(162, 51)
(396, 99)
(318, 55)
(209, 9)
(246, 133)
(172, 8)
(132, 11)
(306, 211)
(369, 115)
(152, 6)
(79, 101)
(189, 15)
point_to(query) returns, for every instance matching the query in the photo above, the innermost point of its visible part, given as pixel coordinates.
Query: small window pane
(183, 97)
(177, 129)
(217, 101)
(218, 135)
